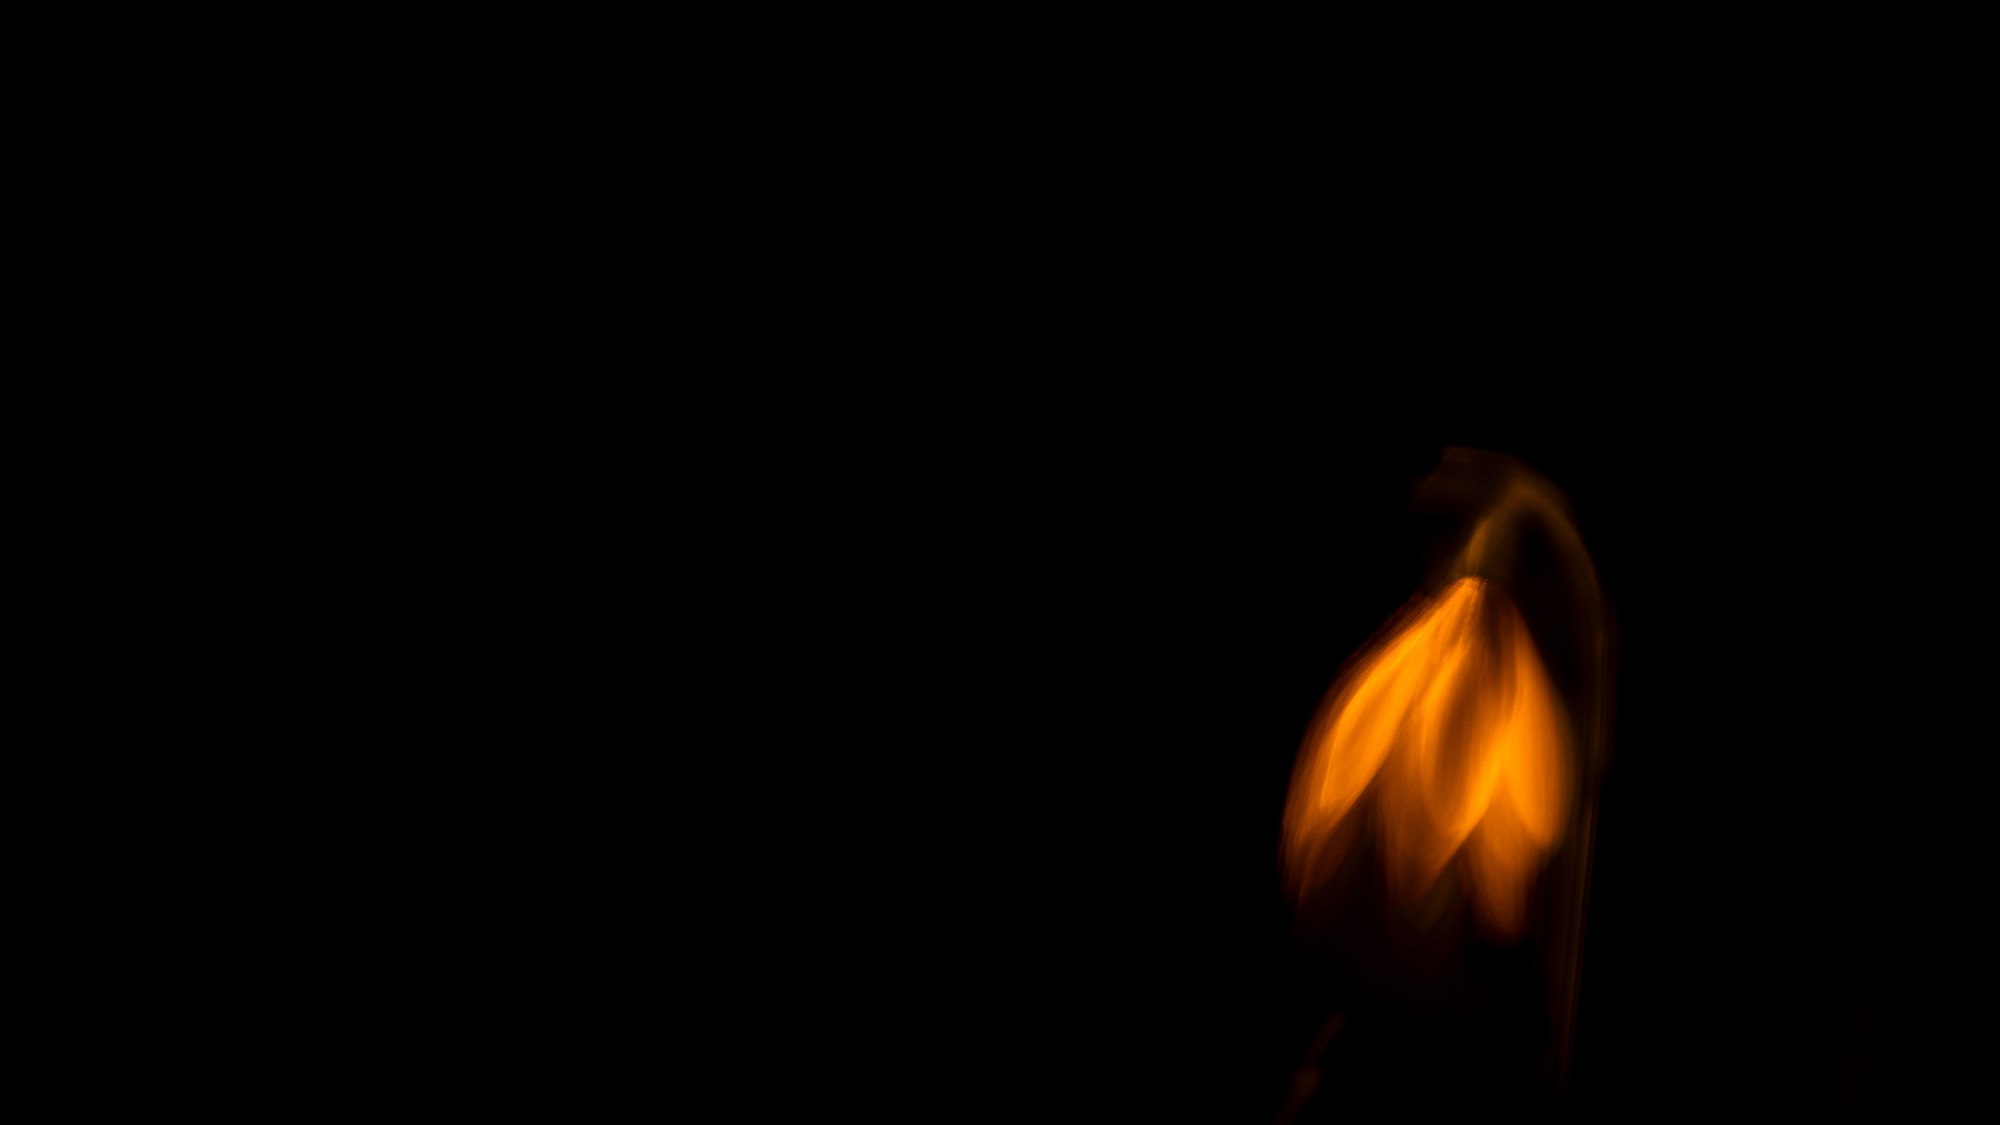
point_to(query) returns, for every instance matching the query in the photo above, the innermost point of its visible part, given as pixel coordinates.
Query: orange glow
(1447, 738)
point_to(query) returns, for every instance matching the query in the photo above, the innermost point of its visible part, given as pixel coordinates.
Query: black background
(1054, 477)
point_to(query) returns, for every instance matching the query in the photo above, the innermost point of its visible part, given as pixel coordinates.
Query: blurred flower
(1448, 730)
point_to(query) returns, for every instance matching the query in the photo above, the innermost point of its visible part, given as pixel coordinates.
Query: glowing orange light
(1449, 731)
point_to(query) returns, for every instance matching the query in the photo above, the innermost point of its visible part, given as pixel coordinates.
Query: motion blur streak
(1447, 730)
